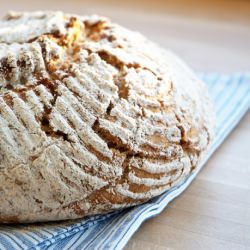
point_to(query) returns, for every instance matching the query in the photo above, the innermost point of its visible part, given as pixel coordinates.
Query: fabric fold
(231, 96)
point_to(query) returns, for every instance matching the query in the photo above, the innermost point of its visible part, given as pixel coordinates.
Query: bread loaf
(93, 117)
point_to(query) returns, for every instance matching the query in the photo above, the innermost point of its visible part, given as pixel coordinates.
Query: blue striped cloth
(231, 95)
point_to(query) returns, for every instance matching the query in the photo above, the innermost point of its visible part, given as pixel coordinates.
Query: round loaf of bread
(93, 117)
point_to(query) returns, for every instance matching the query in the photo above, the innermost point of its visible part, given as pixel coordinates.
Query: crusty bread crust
(93, 117)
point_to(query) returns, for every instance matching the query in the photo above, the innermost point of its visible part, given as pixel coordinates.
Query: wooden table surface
(214, 212)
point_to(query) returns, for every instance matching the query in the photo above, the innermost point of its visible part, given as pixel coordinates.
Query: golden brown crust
(93, 117)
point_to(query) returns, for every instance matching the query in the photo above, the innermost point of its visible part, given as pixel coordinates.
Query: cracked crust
(93, 117)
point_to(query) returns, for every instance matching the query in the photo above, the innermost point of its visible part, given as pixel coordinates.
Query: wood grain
(214, 212)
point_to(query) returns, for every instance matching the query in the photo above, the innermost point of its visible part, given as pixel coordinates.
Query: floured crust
(93, 117)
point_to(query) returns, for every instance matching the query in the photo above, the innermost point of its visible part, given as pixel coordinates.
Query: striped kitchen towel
(231, 95)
